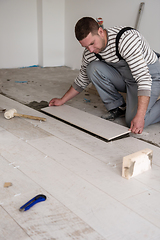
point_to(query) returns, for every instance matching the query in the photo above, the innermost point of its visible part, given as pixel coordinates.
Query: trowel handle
(30, 117)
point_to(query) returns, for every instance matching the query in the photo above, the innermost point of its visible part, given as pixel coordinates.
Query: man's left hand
(137, 125)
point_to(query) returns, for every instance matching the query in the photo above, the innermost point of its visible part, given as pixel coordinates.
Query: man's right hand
(67, 96)
(56, 102)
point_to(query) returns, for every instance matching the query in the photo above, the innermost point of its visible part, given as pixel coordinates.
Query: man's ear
(100, 32)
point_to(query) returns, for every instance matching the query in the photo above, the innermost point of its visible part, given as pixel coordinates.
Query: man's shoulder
(115, 29)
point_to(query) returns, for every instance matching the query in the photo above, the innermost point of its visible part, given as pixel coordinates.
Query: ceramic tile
(10, 172)
(23, 129)
(50, 220)
(45, 220)
(93, 206)
(9, 229)
(86, 196)
(88, 122)
(151, 178)
(104, 151)
(146, 205)
(107, 177)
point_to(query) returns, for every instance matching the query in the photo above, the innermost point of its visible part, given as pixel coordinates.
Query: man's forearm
(71, 93)
(143, 102)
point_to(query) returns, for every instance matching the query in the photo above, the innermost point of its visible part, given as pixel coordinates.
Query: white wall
(18, 33)
(31, 33)
(114, 13)
(41, 32)
(53, 17)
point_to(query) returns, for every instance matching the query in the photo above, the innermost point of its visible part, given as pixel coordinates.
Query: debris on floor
(37, 105)
(21, 81)
(7, 184)
(87, 100)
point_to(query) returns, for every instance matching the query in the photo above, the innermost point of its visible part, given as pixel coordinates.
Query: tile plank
(79, 182)
(88, 122)
(106, 177)
(9, 229)
(46, 220)
(96, 147)
(95, 207)
(151, 178)
(146, 205)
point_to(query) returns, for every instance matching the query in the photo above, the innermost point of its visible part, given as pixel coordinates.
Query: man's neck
(106, 37)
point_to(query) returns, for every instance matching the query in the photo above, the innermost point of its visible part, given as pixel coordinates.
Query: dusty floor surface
(36, 86)
(30, 85)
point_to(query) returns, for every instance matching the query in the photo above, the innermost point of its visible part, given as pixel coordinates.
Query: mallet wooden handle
(30, 117)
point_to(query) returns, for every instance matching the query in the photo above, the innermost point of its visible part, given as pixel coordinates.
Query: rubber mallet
(13, 113)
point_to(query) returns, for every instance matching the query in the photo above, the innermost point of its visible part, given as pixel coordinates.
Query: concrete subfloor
(36, 86)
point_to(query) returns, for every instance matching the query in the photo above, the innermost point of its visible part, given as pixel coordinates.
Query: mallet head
(10, 113)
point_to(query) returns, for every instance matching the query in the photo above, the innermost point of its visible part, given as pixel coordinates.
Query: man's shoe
(114, 113)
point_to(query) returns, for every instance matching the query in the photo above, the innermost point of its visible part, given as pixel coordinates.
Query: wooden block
(137, 163)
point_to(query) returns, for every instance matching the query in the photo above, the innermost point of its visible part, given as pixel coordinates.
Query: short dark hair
(85, 26)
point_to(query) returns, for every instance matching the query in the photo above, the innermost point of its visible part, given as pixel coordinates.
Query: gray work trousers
(110, 79)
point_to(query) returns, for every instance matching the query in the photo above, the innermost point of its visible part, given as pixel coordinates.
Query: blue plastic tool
(33, 201)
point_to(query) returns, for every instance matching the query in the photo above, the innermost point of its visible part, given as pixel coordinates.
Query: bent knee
(94, 67)
(91, 68)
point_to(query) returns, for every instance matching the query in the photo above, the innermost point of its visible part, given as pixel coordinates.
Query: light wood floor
(81, 177)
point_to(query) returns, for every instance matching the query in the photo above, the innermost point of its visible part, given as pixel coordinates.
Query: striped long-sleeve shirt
(135, 51)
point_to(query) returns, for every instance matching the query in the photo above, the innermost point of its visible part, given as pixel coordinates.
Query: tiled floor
(42, 84)
(87, 198)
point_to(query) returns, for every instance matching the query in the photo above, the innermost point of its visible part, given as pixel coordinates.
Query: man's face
(95, 43)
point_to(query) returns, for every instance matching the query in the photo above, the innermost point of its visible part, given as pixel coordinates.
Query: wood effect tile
(9, 229)
(88, 122)
(96, 208)
(146, 205)
(107, 177)
(46, 220)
